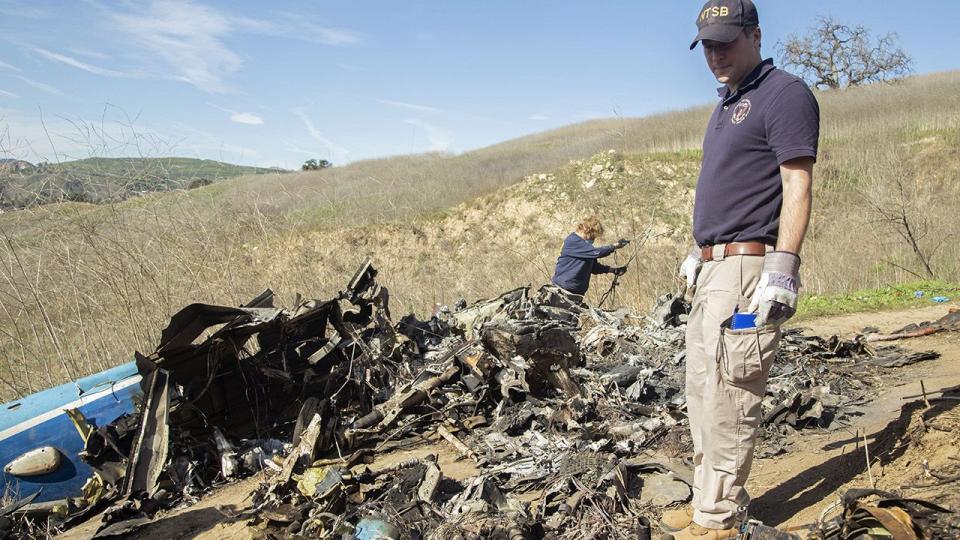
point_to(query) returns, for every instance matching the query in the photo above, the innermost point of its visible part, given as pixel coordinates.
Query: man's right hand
(690, 267)
(621, 243)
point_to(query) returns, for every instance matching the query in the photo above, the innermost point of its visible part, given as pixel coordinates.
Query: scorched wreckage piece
(548, 400)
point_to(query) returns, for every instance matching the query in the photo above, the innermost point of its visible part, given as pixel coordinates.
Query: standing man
(578, 258)
(751, 211)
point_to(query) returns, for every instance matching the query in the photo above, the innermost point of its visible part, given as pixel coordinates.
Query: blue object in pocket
(743, 320)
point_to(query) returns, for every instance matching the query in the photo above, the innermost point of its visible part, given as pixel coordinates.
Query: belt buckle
(718, 252)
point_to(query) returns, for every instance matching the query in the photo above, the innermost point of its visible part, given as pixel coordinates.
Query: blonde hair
(590, 228)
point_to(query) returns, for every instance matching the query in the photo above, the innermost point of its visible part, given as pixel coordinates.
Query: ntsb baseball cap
(723, 20)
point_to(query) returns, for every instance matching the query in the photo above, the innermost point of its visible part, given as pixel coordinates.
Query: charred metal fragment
(566, 414)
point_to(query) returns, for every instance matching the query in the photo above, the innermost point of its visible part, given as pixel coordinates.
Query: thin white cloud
(329, 36)
(8, 94)
(538, 117)
(43, 87)
(336, 151)
(295, 26)
(439, 139)
(337, 36)
(249, 119)
(246, 118)
(4, 65)
(432, 110)
(410, 106)
(73, 62)
(88, 53)
(188, 37)
(297, 150)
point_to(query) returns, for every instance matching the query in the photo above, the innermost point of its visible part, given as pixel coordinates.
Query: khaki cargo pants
(726, 378)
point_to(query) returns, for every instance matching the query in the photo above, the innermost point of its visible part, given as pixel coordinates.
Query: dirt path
(788, 490)
(886, 321)
(794, 488)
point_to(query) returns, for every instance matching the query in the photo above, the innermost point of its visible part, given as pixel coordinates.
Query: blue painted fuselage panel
(60, 433)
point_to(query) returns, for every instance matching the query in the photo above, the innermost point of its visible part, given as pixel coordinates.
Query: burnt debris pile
(570, 418)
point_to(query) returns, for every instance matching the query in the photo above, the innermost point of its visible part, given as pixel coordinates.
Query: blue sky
(276, 83)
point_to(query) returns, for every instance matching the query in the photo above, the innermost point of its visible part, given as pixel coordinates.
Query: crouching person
(578, 258)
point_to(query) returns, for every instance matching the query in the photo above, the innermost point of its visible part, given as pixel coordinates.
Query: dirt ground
(788, 490)
(794, 488)
(215, 516)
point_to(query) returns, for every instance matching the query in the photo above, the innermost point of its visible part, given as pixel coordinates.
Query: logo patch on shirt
(741, 111)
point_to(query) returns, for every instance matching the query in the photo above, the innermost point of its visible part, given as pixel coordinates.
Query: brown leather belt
(735, 248)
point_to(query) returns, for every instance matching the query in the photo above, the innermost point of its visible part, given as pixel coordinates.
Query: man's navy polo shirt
(772, 118)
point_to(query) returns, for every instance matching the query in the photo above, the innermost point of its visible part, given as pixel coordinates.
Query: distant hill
(14, 166)
(96, 180)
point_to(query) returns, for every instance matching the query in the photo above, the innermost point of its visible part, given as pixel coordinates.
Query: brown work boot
(697, 532)
(674, 520)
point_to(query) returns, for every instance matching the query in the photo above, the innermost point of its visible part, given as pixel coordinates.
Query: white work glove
(691, 267)
(775, 298)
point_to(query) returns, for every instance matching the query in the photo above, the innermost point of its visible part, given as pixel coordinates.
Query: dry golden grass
(82, 286)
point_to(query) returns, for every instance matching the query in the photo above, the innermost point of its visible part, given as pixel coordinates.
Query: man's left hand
(775, 298)
(621, 243)
(618, 270)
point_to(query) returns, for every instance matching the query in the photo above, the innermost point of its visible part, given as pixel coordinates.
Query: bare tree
(834, 55)
(898, 205)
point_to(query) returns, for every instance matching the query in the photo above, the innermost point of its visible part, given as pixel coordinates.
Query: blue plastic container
(371, 528)
(742, 321)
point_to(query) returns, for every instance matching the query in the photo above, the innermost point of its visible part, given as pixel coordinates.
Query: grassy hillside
(84, 285)
(108, 179)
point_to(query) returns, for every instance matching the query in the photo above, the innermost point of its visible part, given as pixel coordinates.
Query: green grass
(111, 179)
(174, 167)
(891, 297)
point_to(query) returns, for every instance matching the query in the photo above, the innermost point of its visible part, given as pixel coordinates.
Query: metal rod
(873, 485)
(930, 392)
